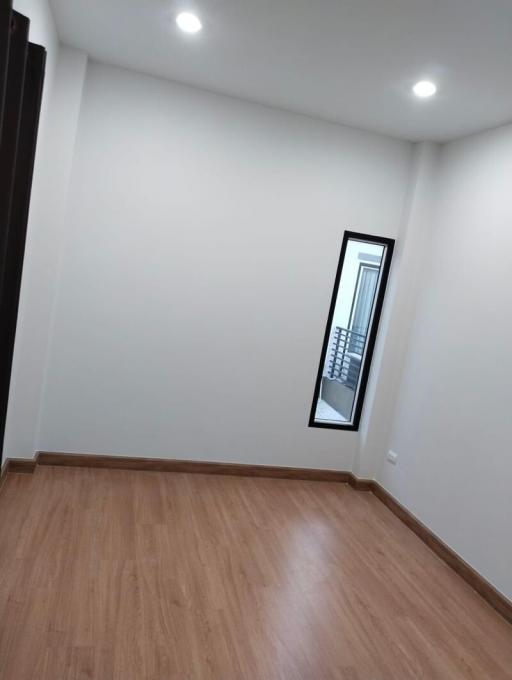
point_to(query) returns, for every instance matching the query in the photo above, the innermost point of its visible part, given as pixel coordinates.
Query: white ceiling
(350, 61)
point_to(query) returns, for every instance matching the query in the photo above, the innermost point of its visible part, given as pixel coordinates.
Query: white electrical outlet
(392, 457)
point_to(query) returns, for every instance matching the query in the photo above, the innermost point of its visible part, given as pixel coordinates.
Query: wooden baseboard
(201, 467)
(18, 465)
(21, 465)
(500, 603)
(4, 469)
(360, 484)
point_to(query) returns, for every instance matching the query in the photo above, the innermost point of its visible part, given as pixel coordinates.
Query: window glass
(355, 307)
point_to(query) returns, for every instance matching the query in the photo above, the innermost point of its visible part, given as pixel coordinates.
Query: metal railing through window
(345, 356)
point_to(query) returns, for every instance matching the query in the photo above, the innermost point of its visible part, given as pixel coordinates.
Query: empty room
(255, 340)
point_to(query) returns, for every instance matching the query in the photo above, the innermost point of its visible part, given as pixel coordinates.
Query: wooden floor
(144, 575)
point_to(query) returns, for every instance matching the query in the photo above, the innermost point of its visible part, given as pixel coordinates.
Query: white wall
(399, 310)
(452, 426)
(203, 237)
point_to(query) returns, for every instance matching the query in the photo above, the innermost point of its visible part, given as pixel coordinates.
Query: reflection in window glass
(353, 319)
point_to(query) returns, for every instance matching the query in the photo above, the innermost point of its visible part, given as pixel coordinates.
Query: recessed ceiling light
(424, 89)
(188, 22)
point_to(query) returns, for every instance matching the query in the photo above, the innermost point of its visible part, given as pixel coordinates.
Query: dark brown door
(21, 82)
(5, 36)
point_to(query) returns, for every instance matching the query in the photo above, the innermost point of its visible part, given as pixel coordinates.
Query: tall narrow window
(351, 331)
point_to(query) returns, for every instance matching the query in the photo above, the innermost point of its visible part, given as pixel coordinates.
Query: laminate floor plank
(131, 575)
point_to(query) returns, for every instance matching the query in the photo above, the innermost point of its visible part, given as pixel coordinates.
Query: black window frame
(357, 409)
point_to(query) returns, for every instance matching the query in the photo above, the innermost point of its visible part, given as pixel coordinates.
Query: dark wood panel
(13, 103)
(24, 83)
(15, 236)
(18, 52)
(16, 65)
(5, 38)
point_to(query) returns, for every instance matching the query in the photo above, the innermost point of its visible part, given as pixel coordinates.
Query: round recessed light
(424, 89)
(188, 22)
